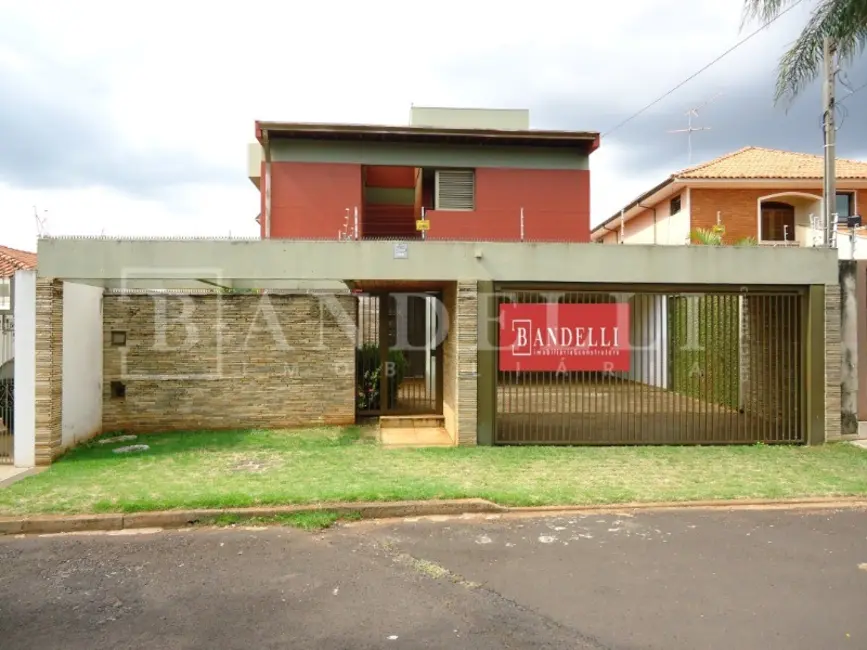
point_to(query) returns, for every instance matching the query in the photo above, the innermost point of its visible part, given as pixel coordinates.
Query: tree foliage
(845, 21)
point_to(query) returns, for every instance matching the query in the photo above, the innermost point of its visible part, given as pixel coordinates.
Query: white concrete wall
(649, 338)
(24, 445)
(667, 230)
(844, 247)
(470, 118)
(803, 228)
(675, 230)
(82, 362)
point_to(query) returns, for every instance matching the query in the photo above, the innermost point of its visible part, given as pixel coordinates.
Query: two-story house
(774, 197)
(449, 175)
(470, 174)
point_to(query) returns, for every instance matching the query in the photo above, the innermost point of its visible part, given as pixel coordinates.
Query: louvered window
(455, 189)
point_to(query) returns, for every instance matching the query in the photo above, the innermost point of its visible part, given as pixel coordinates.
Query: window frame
(852, 207)
(777, 206)
(436, 192)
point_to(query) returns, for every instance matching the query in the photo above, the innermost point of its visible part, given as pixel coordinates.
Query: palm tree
(845, 21)
(706, 237)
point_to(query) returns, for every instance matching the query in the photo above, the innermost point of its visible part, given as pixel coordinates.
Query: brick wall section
(738, 207)
(252, 382)
(833, 361)
(449, 350)
(49, 369)
(467, 326)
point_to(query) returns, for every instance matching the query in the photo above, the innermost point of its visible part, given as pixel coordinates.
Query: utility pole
(828, 101)
(848, 268)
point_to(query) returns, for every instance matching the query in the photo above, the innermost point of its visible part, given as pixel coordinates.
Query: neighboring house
(769, 195)
(11, 260)
(472, 174)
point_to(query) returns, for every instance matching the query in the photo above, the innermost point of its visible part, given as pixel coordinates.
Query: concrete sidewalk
(50, 524)
(10, 474)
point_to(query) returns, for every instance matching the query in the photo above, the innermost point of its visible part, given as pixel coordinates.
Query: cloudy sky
(132, 118)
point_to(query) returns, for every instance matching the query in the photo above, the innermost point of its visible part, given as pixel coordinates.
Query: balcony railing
(507, 225)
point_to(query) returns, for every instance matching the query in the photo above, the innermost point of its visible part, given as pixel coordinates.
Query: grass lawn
(207, 469)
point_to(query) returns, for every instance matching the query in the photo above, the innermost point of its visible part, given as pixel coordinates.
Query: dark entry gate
(398, 357)
(710, 367)
(7, 370)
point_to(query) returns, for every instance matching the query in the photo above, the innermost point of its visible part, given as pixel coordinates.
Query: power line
(695, 74)
(852, 91)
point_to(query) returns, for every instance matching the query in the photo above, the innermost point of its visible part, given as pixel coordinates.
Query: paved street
(669, 581)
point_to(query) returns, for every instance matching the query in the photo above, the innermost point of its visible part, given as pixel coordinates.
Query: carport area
(706, 364)
(227, 334)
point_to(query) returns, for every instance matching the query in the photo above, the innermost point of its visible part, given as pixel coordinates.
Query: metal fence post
(487, 363)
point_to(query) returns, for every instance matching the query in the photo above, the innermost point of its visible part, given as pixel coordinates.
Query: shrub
(368, 372)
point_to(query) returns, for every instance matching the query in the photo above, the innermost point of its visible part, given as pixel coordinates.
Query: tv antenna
(690, 129)
(41, 227)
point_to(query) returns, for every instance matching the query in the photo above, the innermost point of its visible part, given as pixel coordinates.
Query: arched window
(778, 221)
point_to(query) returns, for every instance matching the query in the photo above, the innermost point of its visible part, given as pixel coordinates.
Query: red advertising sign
(552, 337)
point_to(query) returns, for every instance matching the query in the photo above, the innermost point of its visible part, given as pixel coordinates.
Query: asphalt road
(691, 580)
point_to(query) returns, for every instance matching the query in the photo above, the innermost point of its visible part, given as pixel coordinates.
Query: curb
(708, 504)
(49, 524)
(52, 524)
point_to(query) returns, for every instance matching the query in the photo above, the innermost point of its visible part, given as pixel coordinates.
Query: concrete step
(411, 421)
(394, 437)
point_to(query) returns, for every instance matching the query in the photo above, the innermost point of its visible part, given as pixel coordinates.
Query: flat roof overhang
(328, 265)
(587, 141)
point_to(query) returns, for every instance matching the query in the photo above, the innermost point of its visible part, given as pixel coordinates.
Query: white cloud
(164, 81)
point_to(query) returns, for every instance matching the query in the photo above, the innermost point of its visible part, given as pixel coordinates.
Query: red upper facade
(323, 181)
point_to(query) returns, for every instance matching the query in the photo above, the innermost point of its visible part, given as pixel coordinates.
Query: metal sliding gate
(7, 369)
(398, 355)
(684, 367)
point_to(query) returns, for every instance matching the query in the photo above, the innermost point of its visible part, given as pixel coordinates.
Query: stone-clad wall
(466, 332)
(460, 362)
(228, 361)
(49, 369)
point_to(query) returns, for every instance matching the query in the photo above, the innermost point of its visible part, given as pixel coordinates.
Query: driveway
(668, 581)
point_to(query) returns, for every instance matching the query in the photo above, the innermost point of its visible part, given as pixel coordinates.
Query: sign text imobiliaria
(553, 337)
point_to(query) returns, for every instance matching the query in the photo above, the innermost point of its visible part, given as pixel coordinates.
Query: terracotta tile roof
(12, 260)
(759, 163)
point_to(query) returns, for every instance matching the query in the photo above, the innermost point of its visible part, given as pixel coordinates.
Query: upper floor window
(455, 189)
(674, 205)
(845, 205)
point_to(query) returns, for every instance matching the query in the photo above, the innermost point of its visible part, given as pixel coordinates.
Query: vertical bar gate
(398, 358)
(710, 367)
(7, 369)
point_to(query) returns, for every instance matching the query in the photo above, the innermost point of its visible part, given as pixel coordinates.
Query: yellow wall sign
(422, 224)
